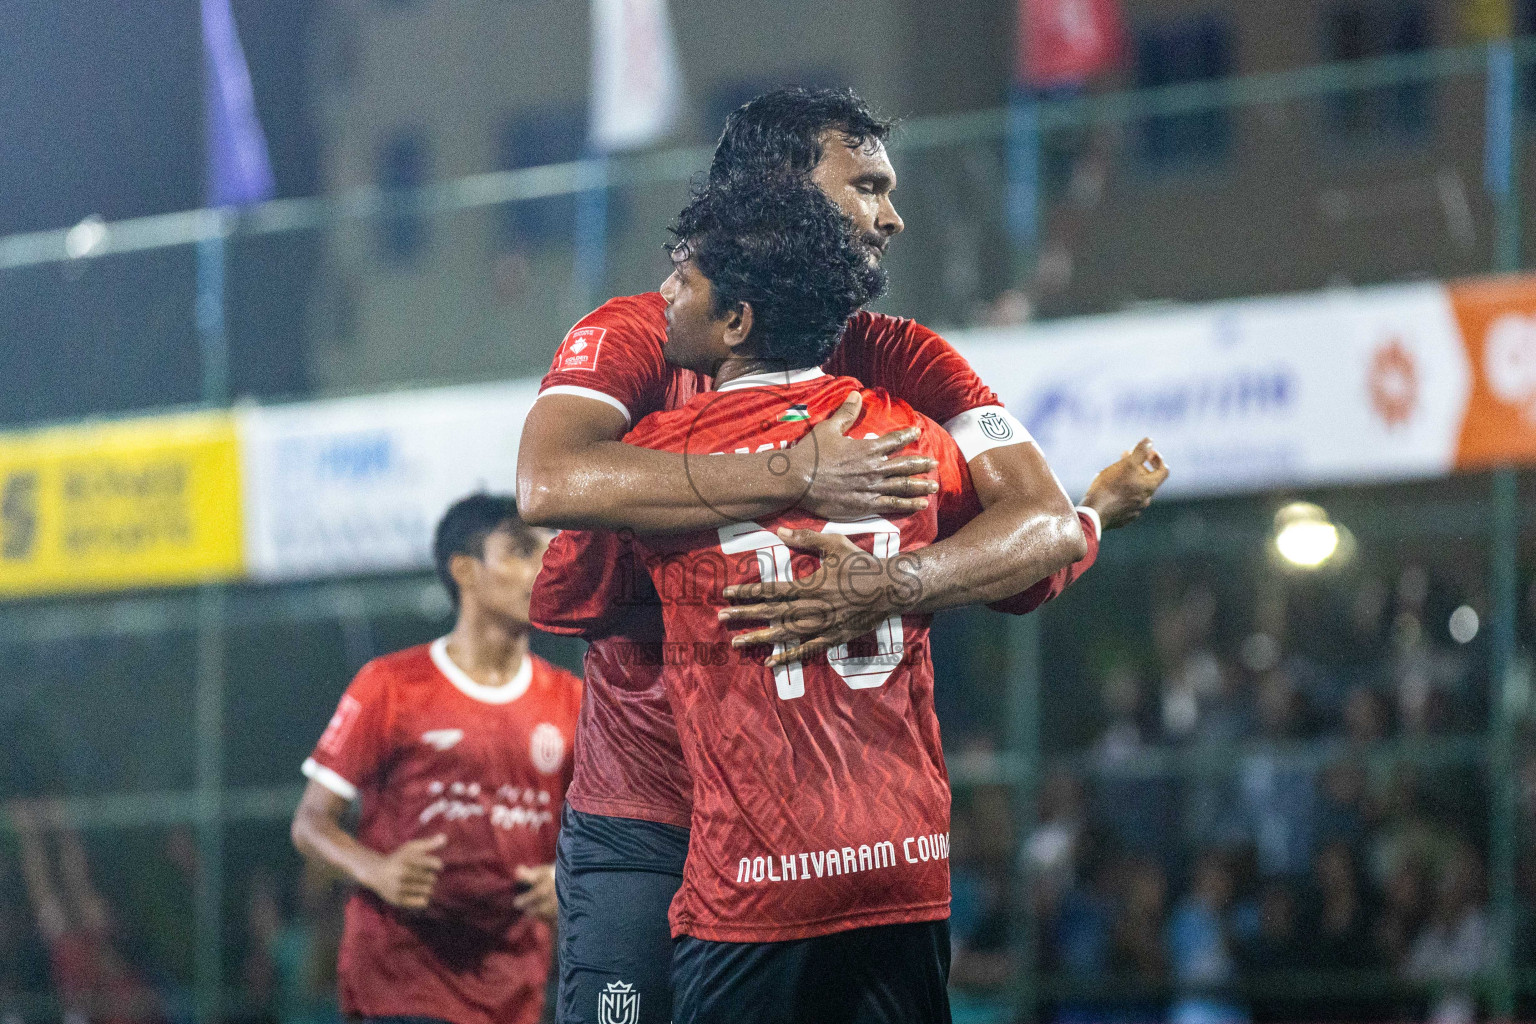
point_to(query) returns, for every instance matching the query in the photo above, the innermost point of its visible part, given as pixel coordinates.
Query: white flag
(637, 85)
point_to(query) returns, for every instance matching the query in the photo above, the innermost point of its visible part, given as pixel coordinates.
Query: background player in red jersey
(625, 837)
(817, 879)
(457, 751)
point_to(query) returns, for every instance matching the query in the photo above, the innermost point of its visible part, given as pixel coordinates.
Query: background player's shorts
(616, 878)
(891, 974)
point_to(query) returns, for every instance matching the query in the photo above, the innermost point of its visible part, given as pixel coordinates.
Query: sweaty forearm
(612, 485)
(1002, 552)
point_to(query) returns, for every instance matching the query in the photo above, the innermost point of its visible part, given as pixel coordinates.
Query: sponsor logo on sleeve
(619, 1003)
(580, 349)
(335, 735)
(547, 748)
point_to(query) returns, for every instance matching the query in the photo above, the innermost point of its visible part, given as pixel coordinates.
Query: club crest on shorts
(995, 426)
(619, 1003)
(547, 748)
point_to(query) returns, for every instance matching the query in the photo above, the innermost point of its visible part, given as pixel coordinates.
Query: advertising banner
(138, 503)
(1349, 387)
(356, 485)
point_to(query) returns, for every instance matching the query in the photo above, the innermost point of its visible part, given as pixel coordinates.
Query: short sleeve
(614, 355)
(588, 580)
(354, 746)
(912, 363)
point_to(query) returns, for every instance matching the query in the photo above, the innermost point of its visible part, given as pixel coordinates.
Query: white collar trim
(504, 694)
(774, 379)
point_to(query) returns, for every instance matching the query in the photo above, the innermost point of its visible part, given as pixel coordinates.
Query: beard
(874, 279)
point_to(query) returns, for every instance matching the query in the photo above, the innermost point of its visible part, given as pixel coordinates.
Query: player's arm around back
(1028, 530)
(573, 472)
(403, 878)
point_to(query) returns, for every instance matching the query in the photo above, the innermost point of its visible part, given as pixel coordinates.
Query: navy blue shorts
(615, 878)
(889, 974)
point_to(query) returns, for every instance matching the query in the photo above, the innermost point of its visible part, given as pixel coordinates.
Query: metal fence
(170, 724)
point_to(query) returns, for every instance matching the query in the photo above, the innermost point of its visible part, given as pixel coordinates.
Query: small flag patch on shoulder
(794, 414)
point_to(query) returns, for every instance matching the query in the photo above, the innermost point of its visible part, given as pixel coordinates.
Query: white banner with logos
(356, 485)
(1353, 386)
(1349, 386)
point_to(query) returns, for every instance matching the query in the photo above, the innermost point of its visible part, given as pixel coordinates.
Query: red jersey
(428, 750)
(628, 761)
(821, 801)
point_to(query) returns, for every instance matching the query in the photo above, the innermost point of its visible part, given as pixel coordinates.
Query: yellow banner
(150, 502)
(1488, 19)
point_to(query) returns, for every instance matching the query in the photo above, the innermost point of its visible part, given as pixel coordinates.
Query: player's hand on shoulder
(848, 478)
(1123, 490)
(405, 877)
(538, 900)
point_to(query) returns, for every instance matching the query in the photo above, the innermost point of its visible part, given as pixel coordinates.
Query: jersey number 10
(773, 565)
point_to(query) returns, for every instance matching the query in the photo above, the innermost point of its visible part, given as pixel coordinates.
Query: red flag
(1065, 42)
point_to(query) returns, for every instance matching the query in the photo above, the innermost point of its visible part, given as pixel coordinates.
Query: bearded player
(817, 885)
(625, 838)
(457, 751)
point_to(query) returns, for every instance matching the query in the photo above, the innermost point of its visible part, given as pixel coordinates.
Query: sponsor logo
(1393, 381)
(1231, 396)
(619, 1003)
(18, 516)
(581, 348)
(1509, 362)
(802, 867)
(335, 735)
(442, 739)
(547, 748)
(509, 807)
(995, 426)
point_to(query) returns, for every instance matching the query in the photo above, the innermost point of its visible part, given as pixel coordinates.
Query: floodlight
(1304, 536)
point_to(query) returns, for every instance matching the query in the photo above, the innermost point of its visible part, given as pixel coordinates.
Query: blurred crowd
(1262, 799)
(80, 948)
(1277, 810)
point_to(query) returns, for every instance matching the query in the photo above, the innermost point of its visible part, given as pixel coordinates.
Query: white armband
(982, 429)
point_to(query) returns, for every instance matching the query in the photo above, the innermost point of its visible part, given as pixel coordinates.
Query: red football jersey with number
(821, 801)
(427, 750)
(628, 761)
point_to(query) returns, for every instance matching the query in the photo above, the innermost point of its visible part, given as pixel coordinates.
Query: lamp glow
(1305, 538)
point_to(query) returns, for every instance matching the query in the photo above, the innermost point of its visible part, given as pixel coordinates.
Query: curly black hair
(780, 132)
(782, 246)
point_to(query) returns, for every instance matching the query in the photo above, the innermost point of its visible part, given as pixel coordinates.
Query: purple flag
(239, 170)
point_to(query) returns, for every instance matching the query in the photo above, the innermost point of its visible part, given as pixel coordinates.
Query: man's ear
(738, 325)
(462, 568)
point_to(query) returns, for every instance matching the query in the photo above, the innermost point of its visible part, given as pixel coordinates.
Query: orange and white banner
(1374, 384)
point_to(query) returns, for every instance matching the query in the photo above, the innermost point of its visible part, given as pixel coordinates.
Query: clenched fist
(405, 878)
